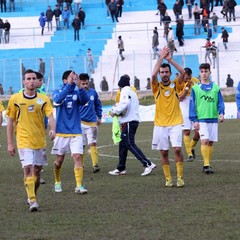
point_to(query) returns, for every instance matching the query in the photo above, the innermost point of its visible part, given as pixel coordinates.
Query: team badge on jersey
(172, 85)
(39, 101)
(31, 108)
(92, 98)
(167, 93)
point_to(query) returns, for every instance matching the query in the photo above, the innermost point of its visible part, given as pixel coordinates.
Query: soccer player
(238, 99)
(168, 116)
(127, 111)
(26, 111)
(206, 109)
(67, 101)
(91, 118)
(1, 116)
(184, 90)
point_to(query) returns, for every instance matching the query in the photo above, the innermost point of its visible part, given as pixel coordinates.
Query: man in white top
(127, 111)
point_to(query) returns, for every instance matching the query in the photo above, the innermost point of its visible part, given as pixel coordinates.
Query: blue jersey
(67, 101)
(238, 97)
(92, 110)
(193, 108)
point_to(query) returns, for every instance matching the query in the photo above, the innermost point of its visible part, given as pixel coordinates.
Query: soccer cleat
(169, 183)
(96, 169)
(116, 172)
(180, 182)
(148, 169)
(193, 153)
(28, 201)
(58, 187)
(207, 169)
(33, 207)
(81, 190)
(189, 159)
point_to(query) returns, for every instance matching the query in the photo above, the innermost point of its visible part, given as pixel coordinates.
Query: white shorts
(184, 105)
(63, 145)
(89, 134)
(208, 131)
(35, 157)
(162, 135)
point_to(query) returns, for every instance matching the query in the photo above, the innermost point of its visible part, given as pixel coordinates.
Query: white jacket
(128, 107)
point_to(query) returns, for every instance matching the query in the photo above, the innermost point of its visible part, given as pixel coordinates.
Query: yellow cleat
(169, 183)
(180, 182)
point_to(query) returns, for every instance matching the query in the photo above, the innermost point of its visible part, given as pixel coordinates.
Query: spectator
(208, 46)
(10, 91)
(7, 27)
(213, 51)
(1, 89)
(209, 31)
(41, 66)
(76, 24)
(49, 17)
(11, 5)
(155, 43)
(214, 22)
(107, 3)
(42, 22)
(3, 5)
(197, 19)
(91, 83)
(231, 4)
(77, 5)
(224, 10)
(229, 81)
(69, 5)
(189, 4)
(23, 70)
(1, 29)
(90, 60)
(148, 87)
(180, 33)
(121, 47)
(166, 21)
(119, 7)
(136, 83)
(66, 17)
(162, 8)
(104, 85)
(60, 4)
(225, 37)
(219, 1)
(82, 16)
(177, 9)
(170, 41)
(57, 12)
(113, 10)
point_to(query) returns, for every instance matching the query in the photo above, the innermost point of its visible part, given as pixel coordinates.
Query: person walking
(7, 27)
(208, 46)
(121, 47)
(90, 60)
(82, 15)
(180, 33)
(49, 16)
(155, 43)
(214, 22)
(224, 37)
(206, 109)
(76, 24)
(42, 22)
(112, 6)
(67, 101)
(91, 119)
(26, 111)
(127, 111)
(213, 51)
(168, 117)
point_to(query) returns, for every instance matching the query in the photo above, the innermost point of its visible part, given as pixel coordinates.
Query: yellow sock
(193, 143)
(57, 172)
(187, 143)
(179, 169)
(166, 171)
(30, 188)
(94, 155)
(205, 154)
(37, 183)
(78, 172)
(210, 149)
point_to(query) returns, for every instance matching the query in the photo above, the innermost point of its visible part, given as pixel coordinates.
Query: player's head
(205, 71)
(30, 80)
(165, 72)
(84, 79)
(65, 76)
(188, 74)
(124, 81)
(39, 79)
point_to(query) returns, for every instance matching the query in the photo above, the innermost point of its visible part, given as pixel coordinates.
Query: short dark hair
(39, 75)
(164, 65)
(83, 76)
(188, 71)
(204, 66)
(66, 74)
(28, 71)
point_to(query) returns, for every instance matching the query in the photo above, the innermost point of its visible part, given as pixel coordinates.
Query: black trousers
(128, 131)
